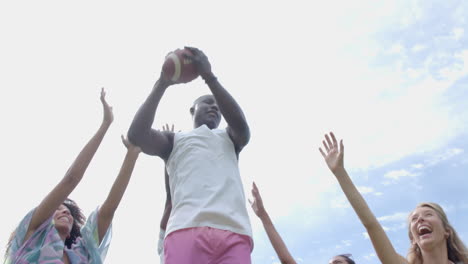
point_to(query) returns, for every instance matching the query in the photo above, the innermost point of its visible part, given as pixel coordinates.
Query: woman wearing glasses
(433, 239)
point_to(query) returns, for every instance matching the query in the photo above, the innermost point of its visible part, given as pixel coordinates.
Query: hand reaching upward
(108, 115)
(257, 203)
(334, 154)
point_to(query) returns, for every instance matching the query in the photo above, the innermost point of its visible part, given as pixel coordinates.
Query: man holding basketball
(209, 221)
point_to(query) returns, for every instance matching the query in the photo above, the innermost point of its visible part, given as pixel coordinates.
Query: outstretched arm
(151, 141)
(108, 208)
(74, 174)
(238, 128)
(382, 245)
(275, 238)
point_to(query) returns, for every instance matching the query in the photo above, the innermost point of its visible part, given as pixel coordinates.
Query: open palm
(333, 153)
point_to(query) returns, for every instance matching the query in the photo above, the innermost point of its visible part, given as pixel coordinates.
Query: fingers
(326, 146)
(172, 128)
(330, 145)
(323, 153)
(103, 95)
(124, 140)
(335, 143)
(341, 146)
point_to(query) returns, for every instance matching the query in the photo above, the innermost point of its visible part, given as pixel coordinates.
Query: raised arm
(108, 208)
(382, 245)
(74, 174)
(275, 238)
(238, 128)
(151, 141)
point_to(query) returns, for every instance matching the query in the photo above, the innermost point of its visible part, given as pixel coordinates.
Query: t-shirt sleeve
(90, 236)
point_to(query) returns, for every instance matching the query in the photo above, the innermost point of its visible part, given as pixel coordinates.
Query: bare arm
(275, 238)
(151, 141)
(382, 245)
(168, 205)
(108, 208)
(74, 174)
(238, 128)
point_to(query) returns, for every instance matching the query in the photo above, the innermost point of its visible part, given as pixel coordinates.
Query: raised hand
(257, 203)
(130, 147)
(334, 154)
(201, 62)
(166, 128)
(108, 115)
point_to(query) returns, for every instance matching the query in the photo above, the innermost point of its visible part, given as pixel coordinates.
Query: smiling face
(63, 220)
(427, 228)
(205, 111)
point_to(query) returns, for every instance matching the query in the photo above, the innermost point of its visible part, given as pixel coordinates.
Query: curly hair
(78, 221)
(456, 250)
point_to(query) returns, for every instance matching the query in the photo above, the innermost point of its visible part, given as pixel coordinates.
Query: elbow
(135, 136)
(244, 137)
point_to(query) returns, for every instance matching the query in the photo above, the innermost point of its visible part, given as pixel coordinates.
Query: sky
(390, 78)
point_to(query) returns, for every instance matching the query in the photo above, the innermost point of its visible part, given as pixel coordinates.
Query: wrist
(339, 171)
(209, 77)
(162, 84)
(105, 124)
(263, 216)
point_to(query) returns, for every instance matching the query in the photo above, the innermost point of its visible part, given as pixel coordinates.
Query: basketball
(178, 68)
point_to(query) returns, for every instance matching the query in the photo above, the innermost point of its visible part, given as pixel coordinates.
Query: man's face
(206, 112)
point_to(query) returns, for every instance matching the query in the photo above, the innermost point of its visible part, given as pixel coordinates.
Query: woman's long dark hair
(78, 221)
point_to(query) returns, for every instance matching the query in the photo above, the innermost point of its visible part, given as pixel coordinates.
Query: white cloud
(458, 33)
(368, 190)
(397, 174)
(370, 256)
(366, 235)
(365, 189)
(418, 47)
(340, 202)
(396, 49)
(396, 217)
(448, 154)
(417, 166)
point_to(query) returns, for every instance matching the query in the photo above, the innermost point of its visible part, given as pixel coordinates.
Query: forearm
(71, 179)
(121, 182)
(144, 118)
(229, 108)
(82, 161)
(276, 240)
(110, 205)
(380, 241)
(166, 213)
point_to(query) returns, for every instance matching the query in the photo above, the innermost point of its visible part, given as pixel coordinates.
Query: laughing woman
(55, 231)
(433, 239)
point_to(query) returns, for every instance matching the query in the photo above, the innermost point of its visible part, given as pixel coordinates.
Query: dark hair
(348, 259)
(78, 221)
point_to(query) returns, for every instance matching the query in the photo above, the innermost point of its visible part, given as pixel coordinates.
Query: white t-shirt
(206, 187)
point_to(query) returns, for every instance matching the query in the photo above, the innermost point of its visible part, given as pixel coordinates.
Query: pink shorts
(206, 245)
